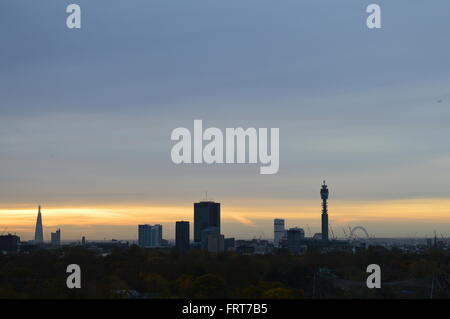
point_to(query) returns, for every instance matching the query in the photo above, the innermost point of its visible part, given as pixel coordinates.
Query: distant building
(254, 247)
(279, 231)
(56, 238)
(28, 246)
(39, 233)
(182, 235)
(244, 247)
(149, 236)
(229, 244)
(296, 240)
(83, 241)
(206, 215)
(283, 242)
(164, 243)
(216, 243)
(9, 243)
(317, 236)
(205, 236)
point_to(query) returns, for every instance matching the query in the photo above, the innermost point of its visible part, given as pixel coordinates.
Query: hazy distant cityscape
(207, 236)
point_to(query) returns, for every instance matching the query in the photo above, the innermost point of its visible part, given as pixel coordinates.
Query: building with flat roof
(216, 243)
(182, 235)
(206, 233)
(9, 243)
(149, 236)
(56, 238)
(279, 231)
(206, 215)
(296, 240)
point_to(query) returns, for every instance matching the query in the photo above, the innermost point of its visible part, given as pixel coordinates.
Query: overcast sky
(86, 115)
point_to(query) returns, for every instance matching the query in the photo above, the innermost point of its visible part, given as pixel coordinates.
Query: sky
(86, 115)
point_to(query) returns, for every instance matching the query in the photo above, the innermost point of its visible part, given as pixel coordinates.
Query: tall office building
(144, 235)
(56, 238)
(279, 231)
(149, 236)
(39, 233)
(324, 196)
(182, 235)
(156, 238)
(206, 215)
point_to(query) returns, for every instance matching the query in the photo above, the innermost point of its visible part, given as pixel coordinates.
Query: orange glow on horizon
(341, 212)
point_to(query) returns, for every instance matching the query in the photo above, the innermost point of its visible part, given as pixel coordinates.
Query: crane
(4, 230)
(332, 232)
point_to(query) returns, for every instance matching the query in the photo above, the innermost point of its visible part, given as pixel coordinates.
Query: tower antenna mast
(324, 196)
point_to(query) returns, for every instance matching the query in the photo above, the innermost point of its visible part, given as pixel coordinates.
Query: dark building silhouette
(56, 238)
(206, 215)
(39, 233)
(295, 239)
(9, 243)
(324, 196)
(182, 235)
(207, 233)
(150, 236)
(279, 231)
(216, 243)
(229, 244)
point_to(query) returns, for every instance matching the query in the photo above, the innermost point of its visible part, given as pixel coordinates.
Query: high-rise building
(156, 237)
(39, 233)
(279, 231)
(206, 214)
(149, 236)
(83, 241)
(56, 238)
(144, 235)
(182, 235)
(295, 239)
(324, 196)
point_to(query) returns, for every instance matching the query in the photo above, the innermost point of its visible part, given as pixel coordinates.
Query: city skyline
(85, 124)
(260, 226)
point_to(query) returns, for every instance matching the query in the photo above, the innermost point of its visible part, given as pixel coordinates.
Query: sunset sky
(86, 115)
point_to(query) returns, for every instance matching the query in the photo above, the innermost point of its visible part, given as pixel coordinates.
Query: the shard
(39, 234)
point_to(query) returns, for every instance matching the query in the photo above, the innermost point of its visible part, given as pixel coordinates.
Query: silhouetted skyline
(85, 124)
